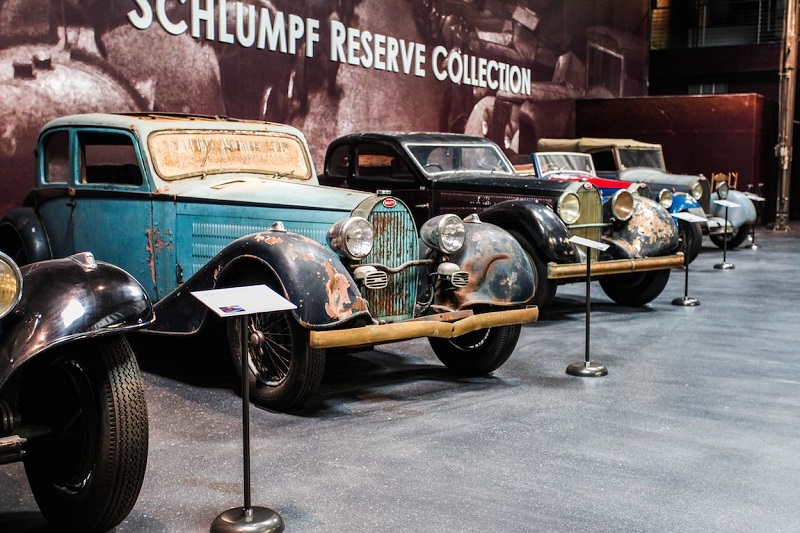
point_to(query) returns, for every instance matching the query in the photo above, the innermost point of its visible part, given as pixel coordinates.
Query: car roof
(145, 123)
(417, 137)
(590, 144)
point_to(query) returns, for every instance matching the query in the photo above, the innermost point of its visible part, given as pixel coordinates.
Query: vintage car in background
(438, 173)
(188, 203)
(72, 403)
(575, 166)
(632, 160)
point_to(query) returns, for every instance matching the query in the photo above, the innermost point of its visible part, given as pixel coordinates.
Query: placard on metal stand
(588, 368)
(231, 303)
(725, 265)
(687, 301)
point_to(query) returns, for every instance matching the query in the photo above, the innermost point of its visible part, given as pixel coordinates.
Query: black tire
(284, 371)
(479, 352)
(545, 289)
(635, 289)
(691, 239)
(733, 240)
(86, 473)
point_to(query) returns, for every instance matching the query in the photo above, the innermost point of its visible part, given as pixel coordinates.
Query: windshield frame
(655, 153)
(503, 166)
(197, 146)
(552, 157)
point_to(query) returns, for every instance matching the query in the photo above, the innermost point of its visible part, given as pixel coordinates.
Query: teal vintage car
(189, 203)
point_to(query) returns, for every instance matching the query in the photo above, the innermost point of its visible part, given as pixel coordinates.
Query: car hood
(509, 184)
(252, 189)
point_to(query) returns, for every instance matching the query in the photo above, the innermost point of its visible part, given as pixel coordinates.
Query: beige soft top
(590, 144)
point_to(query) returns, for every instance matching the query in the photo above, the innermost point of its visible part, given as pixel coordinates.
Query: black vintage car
(451, 173)
(72, 403)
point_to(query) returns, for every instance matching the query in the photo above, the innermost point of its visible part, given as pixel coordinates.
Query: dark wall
(699, 134)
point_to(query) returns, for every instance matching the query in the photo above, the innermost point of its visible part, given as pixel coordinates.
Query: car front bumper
(442, 326)
(615, 266)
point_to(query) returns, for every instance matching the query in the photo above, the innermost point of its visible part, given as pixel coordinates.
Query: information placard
(247, 300)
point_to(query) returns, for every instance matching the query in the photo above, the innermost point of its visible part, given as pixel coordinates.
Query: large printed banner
(506, 69)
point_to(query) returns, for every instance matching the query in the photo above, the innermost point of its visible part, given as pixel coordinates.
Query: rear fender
(301, 270)
(683, 202)
(500, 273)
(22, 227)
(539, 224)
(64, 300)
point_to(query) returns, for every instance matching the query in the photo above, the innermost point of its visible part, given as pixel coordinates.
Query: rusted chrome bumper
(432, 326)
(615, 266)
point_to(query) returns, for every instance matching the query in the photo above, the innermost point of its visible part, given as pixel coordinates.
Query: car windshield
(190, 154)
(448, 158)
(563, 163)
(638, 157)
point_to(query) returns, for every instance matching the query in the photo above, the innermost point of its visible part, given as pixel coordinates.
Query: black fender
(500, 273)
(544, 230)
(66, 300)
(21, 226)
(300, 269)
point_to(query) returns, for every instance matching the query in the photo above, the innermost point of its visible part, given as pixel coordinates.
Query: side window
(378, 162)
(56, 161)
(109, 159)
(604, 161)
(339, 162)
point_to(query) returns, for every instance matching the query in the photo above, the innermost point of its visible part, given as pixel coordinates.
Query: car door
(112, 210)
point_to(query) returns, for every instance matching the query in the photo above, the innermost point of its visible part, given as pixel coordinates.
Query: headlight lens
(10, 284)
(352, 237)
(622, 205)
(722, 190)
(665, 198)
(697, 190)
(569, 208)
(445, 233)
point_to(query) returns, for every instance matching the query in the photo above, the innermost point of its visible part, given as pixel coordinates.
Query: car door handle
(422, 206)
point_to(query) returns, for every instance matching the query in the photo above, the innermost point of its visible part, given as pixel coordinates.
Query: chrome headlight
(445, 233)
(622, 205)
(696, 190)
(665, 198)
(10, 284)
(723, 189)
(569, 207)
(352, 237)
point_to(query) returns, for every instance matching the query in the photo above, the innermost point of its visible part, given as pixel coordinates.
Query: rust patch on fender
(339, 305)
(269, 239)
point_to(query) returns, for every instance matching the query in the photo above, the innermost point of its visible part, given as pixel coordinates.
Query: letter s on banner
(145, 19)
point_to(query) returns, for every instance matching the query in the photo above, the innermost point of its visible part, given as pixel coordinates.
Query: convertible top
(590, 144)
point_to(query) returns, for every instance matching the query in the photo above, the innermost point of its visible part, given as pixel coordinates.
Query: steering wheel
(431, 165)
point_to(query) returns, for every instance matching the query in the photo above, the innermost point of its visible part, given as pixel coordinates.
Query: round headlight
(352, 237)
(10, 284)
(696, 190)
(569, 208)
(723, 189)
(665, 198)
(445, 233)
(622, 205)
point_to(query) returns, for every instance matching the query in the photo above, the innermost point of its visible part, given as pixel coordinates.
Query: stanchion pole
(587, 367)
(725, 265)
(687, 301)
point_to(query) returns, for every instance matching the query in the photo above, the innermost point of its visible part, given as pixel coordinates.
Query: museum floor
(696, 426)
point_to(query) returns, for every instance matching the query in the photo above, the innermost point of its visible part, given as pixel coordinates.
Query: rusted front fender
(303, 271)
(500, 273)
(650, 232)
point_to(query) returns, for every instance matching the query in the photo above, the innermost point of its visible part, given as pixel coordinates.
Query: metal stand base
(587, 369)
(724, 266)
(686, 301)
(252, 520)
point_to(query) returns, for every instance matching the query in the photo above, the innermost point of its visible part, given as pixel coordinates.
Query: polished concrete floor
(696, 427)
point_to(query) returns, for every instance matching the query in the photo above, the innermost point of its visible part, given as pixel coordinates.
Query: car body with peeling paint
(437, 173)
(190, 203)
